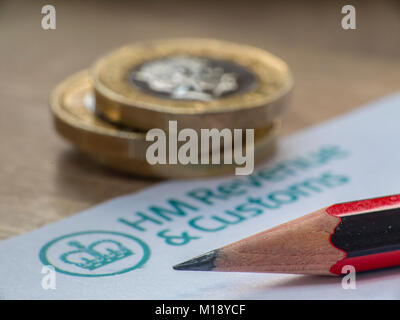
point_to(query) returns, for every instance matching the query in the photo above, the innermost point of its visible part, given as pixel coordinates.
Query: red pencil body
(370, 235)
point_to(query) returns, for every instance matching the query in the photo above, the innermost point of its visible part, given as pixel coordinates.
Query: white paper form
(125, 248)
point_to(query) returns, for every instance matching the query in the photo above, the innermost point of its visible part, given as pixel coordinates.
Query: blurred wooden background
(43, 179)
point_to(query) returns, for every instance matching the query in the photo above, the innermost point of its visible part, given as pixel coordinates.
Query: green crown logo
(86, 257)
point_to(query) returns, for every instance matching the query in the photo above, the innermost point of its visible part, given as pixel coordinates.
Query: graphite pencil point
(204, 262)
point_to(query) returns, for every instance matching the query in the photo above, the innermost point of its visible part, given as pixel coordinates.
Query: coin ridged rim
(111, 73)
(112, 145)
(179, 171)
(82, 78)
(89, 132)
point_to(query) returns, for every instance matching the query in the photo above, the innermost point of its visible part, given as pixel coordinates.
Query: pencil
(364, 234)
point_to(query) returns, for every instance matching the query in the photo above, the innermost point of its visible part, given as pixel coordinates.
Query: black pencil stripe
(368, 233)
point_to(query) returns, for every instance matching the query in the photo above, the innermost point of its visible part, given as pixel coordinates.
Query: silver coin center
(186, 78)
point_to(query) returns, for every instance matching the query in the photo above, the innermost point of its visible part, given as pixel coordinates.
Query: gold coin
(124, 149)
(200, 83)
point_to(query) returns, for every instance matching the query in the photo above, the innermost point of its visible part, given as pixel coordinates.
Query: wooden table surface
(44, 179)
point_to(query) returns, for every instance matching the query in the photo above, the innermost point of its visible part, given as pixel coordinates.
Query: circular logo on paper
(95, 253)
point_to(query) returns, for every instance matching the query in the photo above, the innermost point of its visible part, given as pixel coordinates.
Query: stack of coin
(199, 83)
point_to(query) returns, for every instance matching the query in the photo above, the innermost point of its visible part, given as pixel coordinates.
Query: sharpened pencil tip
(205, 262)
